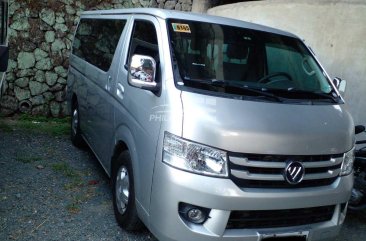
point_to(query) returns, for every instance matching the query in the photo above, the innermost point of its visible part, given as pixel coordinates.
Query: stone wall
(40, 39)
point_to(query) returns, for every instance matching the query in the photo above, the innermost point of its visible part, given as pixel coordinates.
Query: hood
(266, 128)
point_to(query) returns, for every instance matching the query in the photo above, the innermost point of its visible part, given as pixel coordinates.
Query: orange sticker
(181, 27)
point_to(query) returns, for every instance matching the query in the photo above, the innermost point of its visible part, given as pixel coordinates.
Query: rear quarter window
(96, 41)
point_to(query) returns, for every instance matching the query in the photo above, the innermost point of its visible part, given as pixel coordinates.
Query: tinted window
(144, 40)
(301, 67)
(96, 40)
(233, 60)
(3, 21)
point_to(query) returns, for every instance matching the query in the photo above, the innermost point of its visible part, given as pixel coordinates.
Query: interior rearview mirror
(4, 57)
(142, 71)
(340, 85)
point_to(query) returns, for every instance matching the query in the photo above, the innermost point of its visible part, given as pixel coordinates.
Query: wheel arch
(74, 99)
(71, 102)
(119, 147)
(124, 140)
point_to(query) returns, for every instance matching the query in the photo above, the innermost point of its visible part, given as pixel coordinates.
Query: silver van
(211, 128)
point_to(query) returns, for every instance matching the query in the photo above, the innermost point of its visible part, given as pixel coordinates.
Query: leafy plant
(65, 169)
(37, 124)
(5, 127)
(35, 5)
(94, 3)
(27, 158)
(73, 208)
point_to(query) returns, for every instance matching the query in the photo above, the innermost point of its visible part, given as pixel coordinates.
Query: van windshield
(243, 61)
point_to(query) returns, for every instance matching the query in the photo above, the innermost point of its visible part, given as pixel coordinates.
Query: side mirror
(340, 85)
(4, 57)
(359, 129)
(142, 71)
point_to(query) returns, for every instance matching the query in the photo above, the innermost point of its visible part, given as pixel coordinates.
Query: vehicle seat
(236, 66)
(196, 61)
(256, 64)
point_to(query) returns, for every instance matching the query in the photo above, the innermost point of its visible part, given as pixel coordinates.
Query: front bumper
(172, 186)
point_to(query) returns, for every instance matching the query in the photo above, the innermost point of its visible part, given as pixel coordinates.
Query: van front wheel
(124, 194)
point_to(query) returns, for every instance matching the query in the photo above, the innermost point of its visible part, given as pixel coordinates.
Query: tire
(76, 136)
(124, 203)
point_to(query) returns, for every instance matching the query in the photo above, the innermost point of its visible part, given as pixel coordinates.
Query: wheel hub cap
(75, 121)
(122, 189)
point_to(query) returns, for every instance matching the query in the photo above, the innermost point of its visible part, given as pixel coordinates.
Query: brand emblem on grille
(294, 172)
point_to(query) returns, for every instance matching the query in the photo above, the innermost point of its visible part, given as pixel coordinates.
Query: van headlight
(194, 157)
(347, 165)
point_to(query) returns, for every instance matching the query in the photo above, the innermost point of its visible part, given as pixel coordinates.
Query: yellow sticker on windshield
(181, 27)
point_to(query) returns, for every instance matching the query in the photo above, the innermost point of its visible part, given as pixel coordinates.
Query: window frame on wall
(3, 22)
(100, 65)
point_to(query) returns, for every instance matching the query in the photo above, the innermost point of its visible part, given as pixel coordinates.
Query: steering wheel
(269, 76)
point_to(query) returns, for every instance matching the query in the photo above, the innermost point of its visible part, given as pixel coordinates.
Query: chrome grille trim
(264, 177)
(329, 174)
(243, 161)
(258, 171)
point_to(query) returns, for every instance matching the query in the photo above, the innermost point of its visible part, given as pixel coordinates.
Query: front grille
(279, 218)
(267, 171)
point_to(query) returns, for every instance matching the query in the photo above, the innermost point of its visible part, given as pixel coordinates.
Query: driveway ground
(50, 190)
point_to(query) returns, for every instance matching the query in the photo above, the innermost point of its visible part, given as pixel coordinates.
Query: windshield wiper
(260, 92)
(238, 87)
(331, 96)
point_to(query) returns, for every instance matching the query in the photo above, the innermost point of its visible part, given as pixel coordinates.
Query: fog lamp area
(193, 214)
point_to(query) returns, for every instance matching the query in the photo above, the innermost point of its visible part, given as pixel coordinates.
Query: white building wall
(335, 30)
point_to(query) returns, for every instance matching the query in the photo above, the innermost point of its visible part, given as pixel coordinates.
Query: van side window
(144, 40)
(96, 41)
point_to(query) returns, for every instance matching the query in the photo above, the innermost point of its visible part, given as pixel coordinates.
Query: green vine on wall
(38, 5)
(93, 3)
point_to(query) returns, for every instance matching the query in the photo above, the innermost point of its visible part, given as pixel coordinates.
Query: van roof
(166, 14)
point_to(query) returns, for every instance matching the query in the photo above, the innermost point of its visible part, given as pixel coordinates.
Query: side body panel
(77, 85)
(100, 101)
(136, 117)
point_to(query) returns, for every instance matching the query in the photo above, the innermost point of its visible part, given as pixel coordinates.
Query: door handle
(120, 90)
